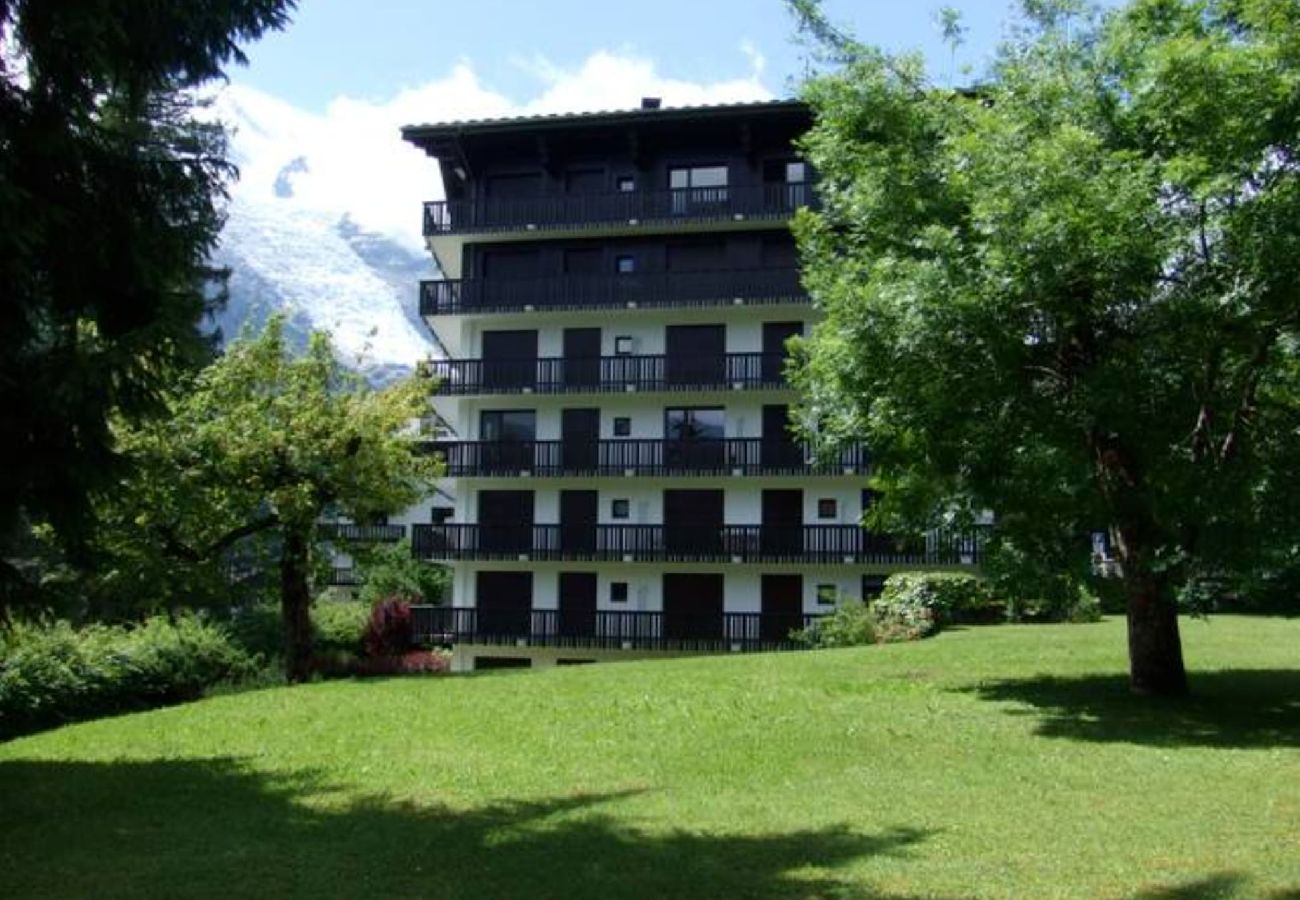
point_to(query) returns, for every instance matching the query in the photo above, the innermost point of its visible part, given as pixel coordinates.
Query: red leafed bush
(389, 632)
(415, 662)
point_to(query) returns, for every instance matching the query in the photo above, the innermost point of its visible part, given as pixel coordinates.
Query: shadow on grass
(1228, 708)
(1213, 887)
(190, 829)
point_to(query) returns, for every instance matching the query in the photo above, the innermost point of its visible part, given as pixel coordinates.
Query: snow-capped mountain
(328, 259)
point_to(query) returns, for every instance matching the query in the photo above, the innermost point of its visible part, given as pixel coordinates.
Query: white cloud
(355, 162)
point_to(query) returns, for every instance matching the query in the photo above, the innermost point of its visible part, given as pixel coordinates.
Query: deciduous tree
(264, 442)
(1072, 294)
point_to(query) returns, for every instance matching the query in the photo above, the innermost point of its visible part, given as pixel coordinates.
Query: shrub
(391, 571)
(51, 673)
(944, 597)
(339, 626)
(389, 632)
(413, 662)
(1081, 606)
(851, 625)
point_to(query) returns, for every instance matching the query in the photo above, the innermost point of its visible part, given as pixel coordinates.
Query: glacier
(329, 260)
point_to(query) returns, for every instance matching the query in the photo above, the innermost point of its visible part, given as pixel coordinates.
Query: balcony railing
(345, 577)
(730, 456)
(594, 211)
(694, 543)
(608, 629)
(638, 290)
(368, 534)
(609, 374)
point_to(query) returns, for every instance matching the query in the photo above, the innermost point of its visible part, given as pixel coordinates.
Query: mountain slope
(294, 247)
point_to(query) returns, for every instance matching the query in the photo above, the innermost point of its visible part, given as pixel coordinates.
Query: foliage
(850, 625)
(942, 597)
(1045, 583)
(111, 203)
(1082, 606)
(261, 445)
(51, 673)
(338, 628)
(412, 662)
(389, 632)
(1069, 296)
(390, 570)
(985, 763)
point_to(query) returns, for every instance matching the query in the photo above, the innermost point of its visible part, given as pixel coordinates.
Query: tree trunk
(1155, 650)
(295, 604)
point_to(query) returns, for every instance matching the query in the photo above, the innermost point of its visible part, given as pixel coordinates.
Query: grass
(1004, 761)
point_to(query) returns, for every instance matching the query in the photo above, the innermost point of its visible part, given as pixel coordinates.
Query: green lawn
(1004, 762)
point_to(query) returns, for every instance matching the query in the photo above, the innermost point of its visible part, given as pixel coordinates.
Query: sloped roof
(441, 130)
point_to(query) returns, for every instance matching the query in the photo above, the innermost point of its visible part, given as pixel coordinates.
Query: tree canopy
(264, 442)
(1071, 293)
(110, 194)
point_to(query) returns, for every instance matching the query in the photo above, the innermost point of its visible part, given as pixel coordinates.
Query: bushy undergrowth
(339, 628)
(850, 625)
(52, 673)
(912, 606)
(942, 597)
(351, 638)
(1083, 606)
(388, 632)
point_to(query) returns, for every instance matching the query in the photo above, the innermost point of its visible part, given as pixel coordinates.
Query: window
(697, 186)
(623, 345)
(787, 182)
(625, 265)
(439, 515)
(698, 177)
(828, 508)
(622, 426)
(508, 425)
(626, 184)
(620, 509)
(618, 592)
(694, 424)
(827, 594)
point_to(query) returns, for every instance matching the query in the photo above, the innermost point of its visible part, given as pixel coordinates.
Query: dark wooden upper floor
(686, 164)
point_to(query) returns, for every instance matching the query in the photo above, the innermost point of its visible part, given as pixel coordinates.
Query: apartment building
(618, 293)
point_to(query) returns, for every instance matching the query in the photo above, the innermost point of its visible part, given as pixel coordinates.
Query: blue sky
(375, 48)
(322, 103)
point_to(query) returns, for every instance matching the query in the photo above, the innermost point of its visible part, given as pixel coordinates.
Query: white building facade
(619, 293)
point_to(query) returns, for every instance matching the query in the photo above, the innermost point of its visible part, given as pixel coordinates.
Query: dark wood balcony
(639, 290)
(584, 212)
(652, 456)
(848, 544)
(361, 534)
(610, 630)
(609, 374)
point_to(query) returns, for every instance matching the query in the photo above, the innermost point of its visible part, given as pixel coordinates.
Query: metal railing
(604, 629)
(347, 531)
(608, 374)
(345, 577)
(637, 290)
(695, 543)
(593, 211)
(643, 456)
